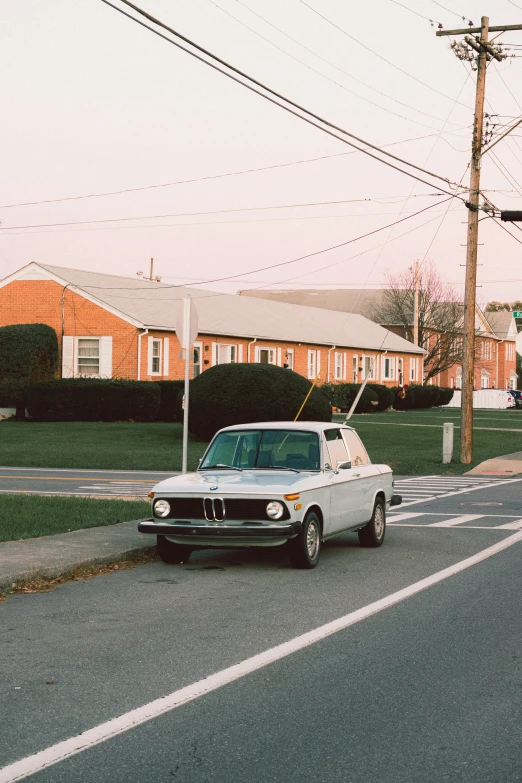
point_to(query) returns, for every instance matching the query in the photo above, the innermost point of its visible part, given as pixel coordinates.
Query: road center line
(129, 720)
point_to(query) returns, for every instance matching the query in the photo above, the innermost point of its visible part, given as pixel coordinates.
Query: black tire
(372, 534)
(172, 553)
(304, 550)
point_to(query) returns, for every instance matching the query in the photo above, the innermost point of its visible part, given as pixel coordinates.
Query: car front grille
(216, 509)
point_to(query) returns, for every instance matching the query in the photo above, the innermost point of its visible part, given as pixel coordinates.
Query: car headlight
(275, 510)
(161, 508)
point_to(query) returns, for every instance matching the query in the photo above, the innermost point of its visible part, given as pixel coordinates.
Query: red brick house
(496, 333)
(110, 326)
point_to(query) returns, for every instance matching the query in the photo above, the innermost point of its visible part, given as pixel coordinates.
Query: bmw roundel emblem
(212, 489)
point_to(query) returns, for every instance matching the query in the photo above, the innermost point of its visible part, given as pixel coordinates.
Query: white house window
(486, 349)
(513, 380)
(338, 366)
(459, 378)
(484, 380)
(155, 364)
(197, 360)
(88, 356)
(226, 354)
(265, 355)
(289, 359)
(355, 368)
(388, 368)
(413, 369)
(312, 364)
(368, 367)
(510, 352)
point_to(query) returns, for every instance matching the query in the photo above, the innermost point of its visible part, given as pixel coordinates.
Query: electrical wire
(455, 13)
(104, 194)
(380, 56)
(328, 62)
(432, 21)
(276, 94)
(307, 255)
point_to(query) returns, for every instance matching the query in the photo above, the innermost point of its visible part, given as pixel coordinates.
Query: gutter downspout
(142, 334)
(328, 363)
(248, 349)
(498, 351)
(63, 329)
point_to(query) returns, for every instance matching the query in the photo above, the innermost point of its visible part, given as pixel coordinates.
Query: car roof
(303, 426)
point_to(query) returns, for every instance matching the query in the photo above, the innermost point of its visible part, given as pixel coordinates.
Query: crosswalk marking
(517, 525)
(409, 515)
(456, 520)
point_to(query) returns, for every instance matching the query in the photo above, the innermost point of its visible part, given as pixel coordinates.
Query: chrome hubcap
(378, 521)
(312, 540)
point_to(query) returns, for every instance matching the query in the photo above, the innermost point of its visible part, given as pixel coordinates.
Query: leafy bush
(384, 395)
(171, 394)
(446, 395)
(425, 396)
(240, 393)
(342, 395)
(403, 399)
(28, 353)
(86, 399)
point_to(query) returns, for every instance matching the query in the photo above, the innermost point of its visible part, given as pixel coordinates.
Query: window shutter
(344, 366)
(166, 356)
(214, 354)
(67, 357)
(106, 357)
(240, 353)
(318, 370)
(150, 340)
(279, 354)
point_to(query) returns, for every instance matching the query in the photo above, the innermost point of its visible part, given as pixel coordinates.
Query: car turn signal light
(298, 506)
(293, 497)
(150, 495)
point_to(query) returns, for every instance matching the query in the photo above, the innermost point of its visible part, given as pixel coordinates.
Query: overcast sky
(92, 102)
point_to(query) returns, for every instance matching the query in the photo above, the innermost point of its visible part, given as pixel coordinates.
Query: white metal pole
(363, 386)
(186, 334)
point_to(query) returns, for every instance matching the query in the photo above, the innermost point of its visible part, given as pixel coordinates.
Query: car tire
(372, 534)
(304, 550)
(172, 553)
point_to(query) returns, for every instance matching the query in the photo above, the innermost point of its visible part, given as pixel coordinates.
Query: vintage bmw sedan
(279, 483)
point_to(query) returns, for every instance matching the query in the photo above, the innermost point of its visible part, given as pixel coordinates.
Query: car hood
(256, 482)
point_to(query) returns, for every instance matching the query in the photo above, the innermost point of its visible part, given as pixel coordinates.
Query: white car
(270, 484)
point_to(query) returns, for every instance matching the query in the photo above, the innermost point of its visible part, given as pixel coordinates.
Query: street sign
(517, 314)
(187, 325)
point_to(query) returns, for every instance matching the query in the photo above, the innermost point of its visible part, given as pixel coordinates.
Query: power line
(103, 194)
(380, 56)
(328, 62)
(432, 21)
(307, 255)
(276, 94)
(455, 13)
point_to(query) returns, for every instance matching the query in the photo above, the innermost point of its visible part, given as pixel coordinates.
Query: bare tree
(440, 316)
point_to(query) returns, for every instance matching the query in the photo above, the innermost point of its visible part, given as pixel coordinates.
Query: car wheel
(172, 553)
(372, 534)
(306, 548)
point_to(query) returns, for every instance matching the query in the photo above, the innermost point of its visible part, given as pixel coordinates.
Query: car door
(369, 477)
(343, 484)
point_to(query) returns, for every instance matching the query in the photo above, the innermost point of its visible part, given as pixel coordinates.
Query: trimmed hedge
(230, 394)
(28, 353)
(446, 395)
(171, 395)
(86, 399)
(384, 395)
(342, 395)
(420, 397)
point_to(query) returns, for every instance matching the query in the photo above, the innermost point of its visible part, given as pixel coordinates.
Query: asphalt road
(85, 483)
(428, 689)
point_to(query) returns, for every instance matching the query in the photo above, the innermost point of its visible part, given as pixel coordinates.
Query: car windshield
(264, 449)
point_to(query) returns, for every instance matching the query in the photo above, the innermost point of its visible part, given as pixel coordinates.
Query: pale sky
(92, 102)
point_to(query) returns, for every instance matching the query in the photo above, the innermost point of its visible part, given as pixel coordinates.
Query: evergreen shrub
(28, 353)
(171, 395)
(93, 399)
(230, 394)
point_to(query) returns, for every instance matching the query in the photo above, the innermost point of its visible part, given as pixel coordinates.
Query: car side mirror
(344, 464)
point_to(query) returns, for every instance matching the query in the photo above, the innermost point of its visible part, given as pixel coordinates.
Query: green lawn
(30, 516)
(92, 445)
(418, 449)
(126, 446)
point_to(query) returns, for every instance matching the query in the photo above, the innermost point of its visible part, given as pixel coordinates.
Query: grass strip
(32, 516)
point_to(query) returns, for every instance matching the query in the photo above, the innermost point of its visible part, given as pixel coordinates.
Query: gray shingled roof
(500, 322)
(155, 305)
(346, 300)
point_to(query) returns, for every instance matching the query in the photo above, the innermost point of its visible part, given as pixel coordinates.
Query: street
(421, 689)
(85, 483)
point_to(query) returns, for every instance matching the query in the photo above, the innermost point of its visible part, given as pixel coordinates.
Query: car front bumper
(221, 534)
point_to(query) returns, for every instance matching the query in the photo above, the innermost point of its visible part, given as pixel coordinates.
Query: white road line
(517, 525)
(456, 520)
(409, 515)
(490, 485)
(82, 470)
(112, 728)
(463, 527)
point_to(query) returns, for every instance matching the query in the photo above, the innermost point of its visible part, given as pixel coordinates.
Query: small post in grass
(186, 330)
(447, 443)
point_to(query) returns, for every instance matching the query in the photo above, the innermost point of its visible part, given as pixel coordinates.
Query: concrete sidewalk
(506, 465)
(51, 556)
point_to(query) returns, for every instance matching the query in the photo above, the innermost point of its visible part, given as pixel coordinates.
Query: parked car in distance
(295, 484)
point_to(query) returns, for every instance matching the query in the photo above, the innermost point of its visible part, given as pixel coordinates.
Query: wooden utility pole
(151, 277)
(416, 307)
(485, 52)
